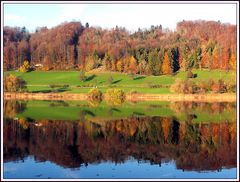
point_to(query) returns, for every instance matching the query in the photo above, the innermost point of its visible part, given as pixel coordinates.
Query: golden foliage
(166, 65)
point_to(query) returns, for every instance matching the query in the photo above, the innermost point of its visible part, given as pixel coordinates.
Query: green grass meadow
(39, 81)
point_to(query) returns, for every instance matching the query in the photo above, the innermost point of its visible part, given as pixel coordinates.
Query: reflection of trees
(13, 107)
(217, 107)
(207, 146)
(59, 103)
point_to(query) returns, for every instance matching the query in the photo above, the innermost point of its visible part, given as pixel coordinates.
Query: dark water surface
(46, 139)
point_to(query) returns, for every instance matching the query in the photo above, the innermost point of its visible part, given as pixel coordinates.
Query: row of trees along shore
(153, 51)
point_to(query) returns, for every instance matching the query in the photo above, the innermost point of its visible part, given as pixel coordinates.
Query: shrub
(14, 84)
(203, 87)
(231, 87)
(210, 83)
(23, 123)
(219, 87)
(132, 76)
(157, 86)
(133, 92)
(95, 94)
(188, 87)
(215, 88)
(149, 84)
(57, 87)
(183, 86)
(25, 67)
(45, 68)
(115, 96)
(189, 74)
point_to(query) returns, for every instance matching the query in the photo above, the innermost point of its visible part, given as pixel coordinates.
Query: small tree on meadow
(110, 80)
(25, 67)
(14, 84)
(190, 74)
(82, 75)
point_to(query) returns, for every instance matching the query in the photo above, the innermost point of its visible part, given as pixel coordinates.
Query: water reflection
(192, 144)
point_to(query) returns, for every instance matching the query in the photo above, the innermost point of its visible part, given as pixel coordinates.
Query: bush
(189, 74)
(45, 68)
(188, 87)
(203, 87)
(219, 87)
(115, 96)
(25, 67)
(183, 86)
(149, 84)
(231, 87)
(95, 95)
(87, 85)
(210, 83)
(157, 86)
(57, 87)
(14, 84)
(133, 92)
(133, 76)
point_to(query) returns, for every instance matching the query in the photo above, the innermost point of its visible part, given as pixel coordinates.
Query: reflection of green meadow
(82, 110)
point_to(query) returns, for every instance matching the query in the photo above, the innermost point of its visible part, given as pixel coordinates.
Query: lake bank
(226, 97)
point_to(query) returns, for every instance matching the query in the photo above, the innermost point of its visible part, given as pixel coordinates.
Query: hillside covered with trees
(154, 51)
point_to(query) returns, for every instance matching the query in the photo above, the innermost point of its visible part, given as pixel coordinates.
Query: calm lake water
(162, 140)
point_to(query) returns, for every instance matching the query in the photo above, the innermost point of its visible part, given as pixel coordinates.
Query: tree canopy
(155, 51)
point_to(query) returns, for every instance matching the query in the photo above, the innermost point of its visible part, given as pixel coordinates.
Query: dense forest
(154, 51)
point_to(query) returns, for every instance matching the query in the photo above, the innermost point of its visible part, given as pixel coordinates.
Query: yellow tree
(166, 65)
(120, 66)
(215, 58)
(165, 127)
(14, 84)
(90, 63)
(25, 67)
(233, 62)
(132, 65)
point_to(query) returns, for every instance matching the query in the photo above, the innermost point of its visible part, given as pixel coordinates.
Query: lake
(149, 140)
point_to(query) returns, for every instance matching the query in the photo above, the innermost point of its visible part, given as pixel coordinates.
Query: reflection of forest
(194, 146)
(217, 107)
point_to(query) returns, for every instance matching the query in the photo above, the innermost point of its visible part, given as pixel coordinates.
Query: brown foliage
(69, 45)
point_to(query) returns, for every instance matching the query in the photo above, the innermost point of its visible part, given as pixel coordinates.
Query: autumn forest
(153, 51)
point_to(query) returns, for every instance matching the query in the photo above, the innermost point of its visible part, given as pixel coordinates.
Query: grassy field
(38, 81)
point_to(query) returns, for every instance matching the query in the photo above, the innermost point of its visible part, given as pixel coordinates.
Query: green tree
(198, 57)
(107, 62)
(209, 49)
(154, 62)
(175, 59)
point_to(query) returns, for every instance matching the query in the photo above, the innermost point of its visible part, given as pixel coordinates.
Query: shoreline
(226, 97)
